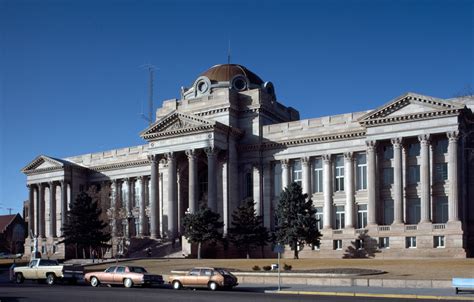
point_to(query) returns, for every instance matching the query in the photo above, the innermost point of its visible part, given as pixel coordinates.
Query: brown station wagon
(212, 278)
(126, 275)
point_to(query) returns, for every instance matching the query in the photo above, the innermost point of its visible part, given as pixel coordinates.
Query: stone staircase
(146, 247)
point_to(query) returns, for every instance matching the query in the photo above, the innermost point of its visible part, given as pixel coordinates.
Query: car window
(48, 262)
(223, 272)
(206, 272)
(120, 269)
(194, 272)
(110, 269)
(137, 269)
(33, 263)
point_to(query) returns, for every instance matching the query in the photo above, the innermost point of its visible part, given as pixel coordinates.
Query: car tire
(95, 282)
(50, 279)
(212, 286)
(127, 282)
(177, 285)
(19, 279)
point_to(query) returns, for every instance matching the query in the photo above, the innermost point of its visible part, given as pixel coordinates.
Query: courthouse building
(403, 171)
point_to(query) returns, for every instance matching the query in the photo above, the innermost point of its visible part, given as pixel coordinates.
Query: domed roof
(226, 72)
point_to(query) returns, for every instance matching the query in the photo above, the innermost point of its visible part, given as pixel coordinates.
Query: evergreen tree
(296, 222)
(247, 229)
(84, 229)
(364, 247)
(202, 226)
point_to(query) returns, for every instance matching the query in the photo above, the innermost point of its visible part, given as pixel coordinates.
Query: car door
(191, 278)
(204, 277)
(119, 273)
(108, 275)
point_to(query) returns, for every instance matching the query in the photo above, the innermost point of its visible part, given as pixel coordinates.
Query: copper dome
(226, 72)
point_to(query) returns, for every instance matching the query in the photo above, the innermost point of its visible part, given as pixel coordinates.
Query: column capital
(424, 139)
(348, 156)
(326, 158)
(191, 153)
(285, 162)
(453, 136)
(154, 158)
(211, 151)
(397, 142)
(305, 161)
(371, 145)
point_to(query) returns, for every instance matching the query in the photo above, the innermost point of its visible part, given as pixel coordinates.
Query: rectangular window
(438, 242)
(248, 184)
(413, 176)
(318, 175)
(361, 177)
(361, 216)
(440, 209)
(339, 217)
(337, 244)
(319, 217)
(297, 172)
(440, 172)
(414, 149)
(387, 176)
(359, 244)
(339, 180)
(410, 242)
(387, 152)
(413, 211)
(387, 211)
(384, 242)
(277, 179)
(441, 146)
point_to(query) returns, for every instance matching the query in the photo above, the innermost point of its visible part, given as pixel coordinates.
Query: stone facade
(403, 171)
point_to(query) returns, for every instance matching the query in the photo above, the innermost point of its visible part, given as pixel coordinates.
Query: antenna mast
(151, 72)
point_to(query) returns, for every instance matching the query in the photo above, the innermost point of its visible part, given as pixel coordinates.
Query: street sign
(279, 249)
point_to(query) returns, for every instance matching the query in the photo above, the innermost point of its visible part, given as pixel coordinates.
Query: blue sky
(71, 82)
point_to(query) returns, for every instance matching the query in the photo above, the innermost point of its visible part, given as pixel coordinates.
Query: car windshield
(110, 269)
(137, 269)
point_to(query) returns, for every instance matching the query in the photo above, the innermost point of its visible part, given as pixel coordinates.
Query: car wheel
(176, 284)
(212, 286)
(19, 278)
(127, 283)
(95, 282)
(50, 279)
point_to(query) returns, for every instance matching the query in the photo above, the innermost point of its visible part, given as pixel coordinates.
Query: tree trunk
(295, 248)
(77, 252)
(248, 254)
(199, 250)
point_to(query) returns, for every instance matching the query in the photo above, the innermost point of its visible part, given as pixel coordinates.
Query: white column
(267, 194)
(425, 177)
(327, 191)
(41, 209)
(141, 200)
(285, 173)
(172, 197)
(52, 209)
(397, 181)
(211, 179)
(126, 202)
(193, 181)
(31, 201)
(256, 188)
(306, 181)
(349, 189)
(453, 166)
(371, 180)
(154, 206)
(113, 208)
(225, 194)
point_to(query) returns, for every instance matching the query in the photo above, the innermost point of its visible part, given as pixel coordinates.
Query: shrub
(287, 267)
(256, 268)
(267, 267)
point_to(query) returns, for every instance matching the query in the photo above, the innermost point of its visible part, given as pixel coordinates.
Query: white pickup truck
(49, 271)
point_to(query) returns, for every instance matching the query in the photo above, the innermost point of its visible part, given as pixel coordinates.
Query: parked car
(212, 278)
(126, 275)
(47, 270)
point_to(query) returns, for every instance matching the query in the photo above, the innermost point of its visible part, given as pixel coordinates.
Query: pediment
(43, 162)
(408, 107)
(176, 123)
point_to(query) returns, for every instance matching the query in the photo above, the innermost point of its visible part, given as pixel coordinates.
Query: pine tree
(202, 226)
(296, 222)
(84, 229)
(364, 247)
(247, 229)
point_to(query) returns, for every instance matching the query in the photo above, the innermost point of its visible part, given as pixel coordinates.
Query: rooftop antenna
(228, 53)
(151, 72)
(9, 211)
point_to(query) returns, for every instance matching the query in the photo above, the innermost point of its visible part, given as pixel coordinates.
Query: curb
(369, 295)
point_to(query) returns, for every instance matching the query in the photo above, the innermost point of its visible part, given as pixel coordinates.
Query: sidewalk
(362, 291)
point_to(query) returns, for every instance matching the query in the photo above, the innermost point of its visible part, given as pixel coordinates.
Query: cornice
(128, 164)
(43, 170)
(303, 141)
(409, 117)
